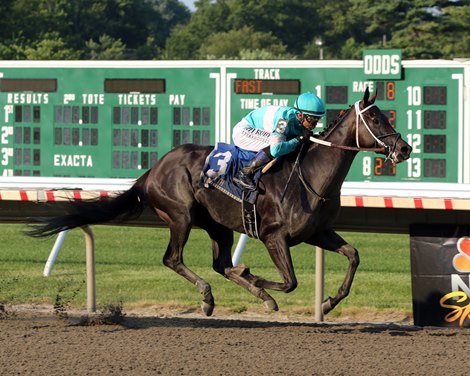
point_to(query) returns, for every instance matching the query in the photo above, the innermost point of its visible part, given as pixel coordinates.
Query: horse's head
(374, 130)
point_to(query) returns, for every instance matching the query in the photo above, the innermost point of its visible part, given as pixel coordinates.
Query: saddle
(220, 167)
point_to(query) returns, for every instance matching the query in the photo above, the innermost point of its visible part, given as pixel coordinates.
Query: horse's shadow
(147, 322)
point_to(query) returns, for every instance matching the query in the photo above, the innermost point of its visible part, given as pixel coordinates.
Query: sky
(189, 4)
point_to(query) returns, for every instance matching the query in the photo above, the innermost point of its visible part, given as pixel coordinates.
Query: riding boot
(244, 177)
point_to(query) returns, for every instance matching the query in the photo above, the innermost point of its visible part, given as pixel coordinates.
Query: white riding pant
(246, 137)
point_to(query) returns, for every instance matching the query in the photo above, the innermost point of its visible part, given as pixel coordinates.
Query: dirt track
(38, 343)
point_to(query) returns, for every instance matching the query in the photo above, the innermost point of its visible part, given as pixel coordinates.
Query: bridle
(384, 148)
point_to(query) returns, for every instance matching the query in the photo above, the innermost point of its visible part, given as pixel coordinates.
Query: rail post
(319, 283)
(90, 268)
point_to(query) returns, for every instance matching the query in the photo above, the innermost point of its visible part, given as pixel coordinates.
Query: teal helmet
(310, 104)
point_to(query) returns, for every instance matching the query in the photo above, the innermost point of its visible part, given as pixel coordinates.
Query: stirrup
(244, 185)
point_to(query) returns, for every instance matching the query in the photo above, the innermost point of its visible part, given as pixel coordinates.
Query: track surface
(38, 343)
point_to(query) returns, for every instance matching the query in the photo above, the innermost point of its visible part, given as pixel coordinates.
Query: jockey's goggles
(311, 118)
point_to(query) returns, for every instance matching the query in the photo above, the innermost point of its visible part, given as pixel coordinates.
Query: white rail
(376, 189)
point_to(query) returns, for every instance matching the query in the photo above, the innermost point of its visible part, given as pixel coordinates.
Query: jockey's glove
(303, 139)
(305, 135)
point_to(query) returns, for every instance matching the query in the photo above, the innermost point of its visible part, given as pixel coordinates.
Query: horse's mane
(329, 128)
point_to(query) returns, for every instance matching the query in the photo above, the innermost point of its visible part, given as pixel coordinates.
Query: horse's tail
(126, 206)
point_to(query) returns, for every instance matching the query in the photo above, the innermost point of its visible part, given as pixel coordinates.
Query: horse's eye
(375, 120)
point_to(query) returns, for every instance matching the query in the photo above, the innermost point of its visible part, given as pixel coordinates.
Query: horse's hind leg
(333, 242)
(173, 258)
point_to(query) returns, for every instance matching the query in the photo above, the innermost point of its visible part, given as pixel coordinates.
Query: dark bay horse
(306, 213)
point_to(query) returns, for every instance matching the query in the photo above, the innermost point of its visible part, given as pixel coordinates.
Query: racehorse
(291, 208)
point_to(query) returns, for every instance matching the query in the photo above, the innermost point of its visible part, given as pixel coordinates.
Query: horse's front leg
(353, 257)
(280, 255)
(241, 275)
(222, 241)
(331, 241)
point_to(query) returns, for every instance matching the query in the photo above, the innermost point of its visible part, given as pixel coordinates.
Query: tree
(172, 13)
(456, 31)
(141, 26)
(421, 28)
(292, 22)
(106, 48)
(244, 42)
(51, 47)
(286, 20)
(7, 23)
(186, 40)
(431, 32)
(235, 29)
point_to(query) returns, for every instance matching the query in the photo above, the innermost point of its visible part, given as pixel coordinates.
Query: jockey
(273, 131)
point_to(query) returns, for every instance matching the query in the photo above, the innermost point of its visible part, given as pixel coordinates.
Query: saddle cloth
(221, 166)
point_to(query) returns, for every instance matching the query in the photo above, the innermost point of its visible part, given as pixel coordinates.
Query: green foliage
(106, 49)
(288, 20)
(131, 29)
(232, 29)
(52, 47)
(186, 40)
(244, 42)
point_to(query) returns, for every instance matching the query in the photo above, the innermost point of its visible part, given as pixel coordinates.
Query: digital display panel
(12, 85)
(383, 167)
(251, 86)
(434, 143)
(129, 85)
(435, 119)
(336, 95)
(435, 95)
(391, 116)
(385, 90)
(435, 168)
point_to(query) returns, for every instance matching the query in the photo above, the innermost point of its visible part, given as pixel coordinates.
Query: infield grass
(129, 272)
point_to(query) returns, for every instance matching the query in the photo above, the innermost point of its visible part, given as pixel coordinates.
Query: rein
(306, 185)
(344, 147)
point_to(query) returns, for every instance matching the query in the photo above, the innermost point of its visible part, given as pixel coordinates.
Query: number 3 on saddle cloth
(219, 169)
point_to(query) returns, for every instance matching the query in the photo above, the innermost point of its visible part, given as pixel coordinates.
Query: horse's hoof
(326, 306)
(271, 305)
(240, 270)
(207, 308)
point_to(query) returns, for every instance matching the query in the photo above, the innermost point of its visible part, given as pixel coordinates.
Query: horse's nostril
(406, 149)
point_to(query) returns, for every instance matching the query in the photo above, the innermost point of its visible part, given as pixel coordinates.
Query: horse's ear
(366, 96)
(372, 99)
